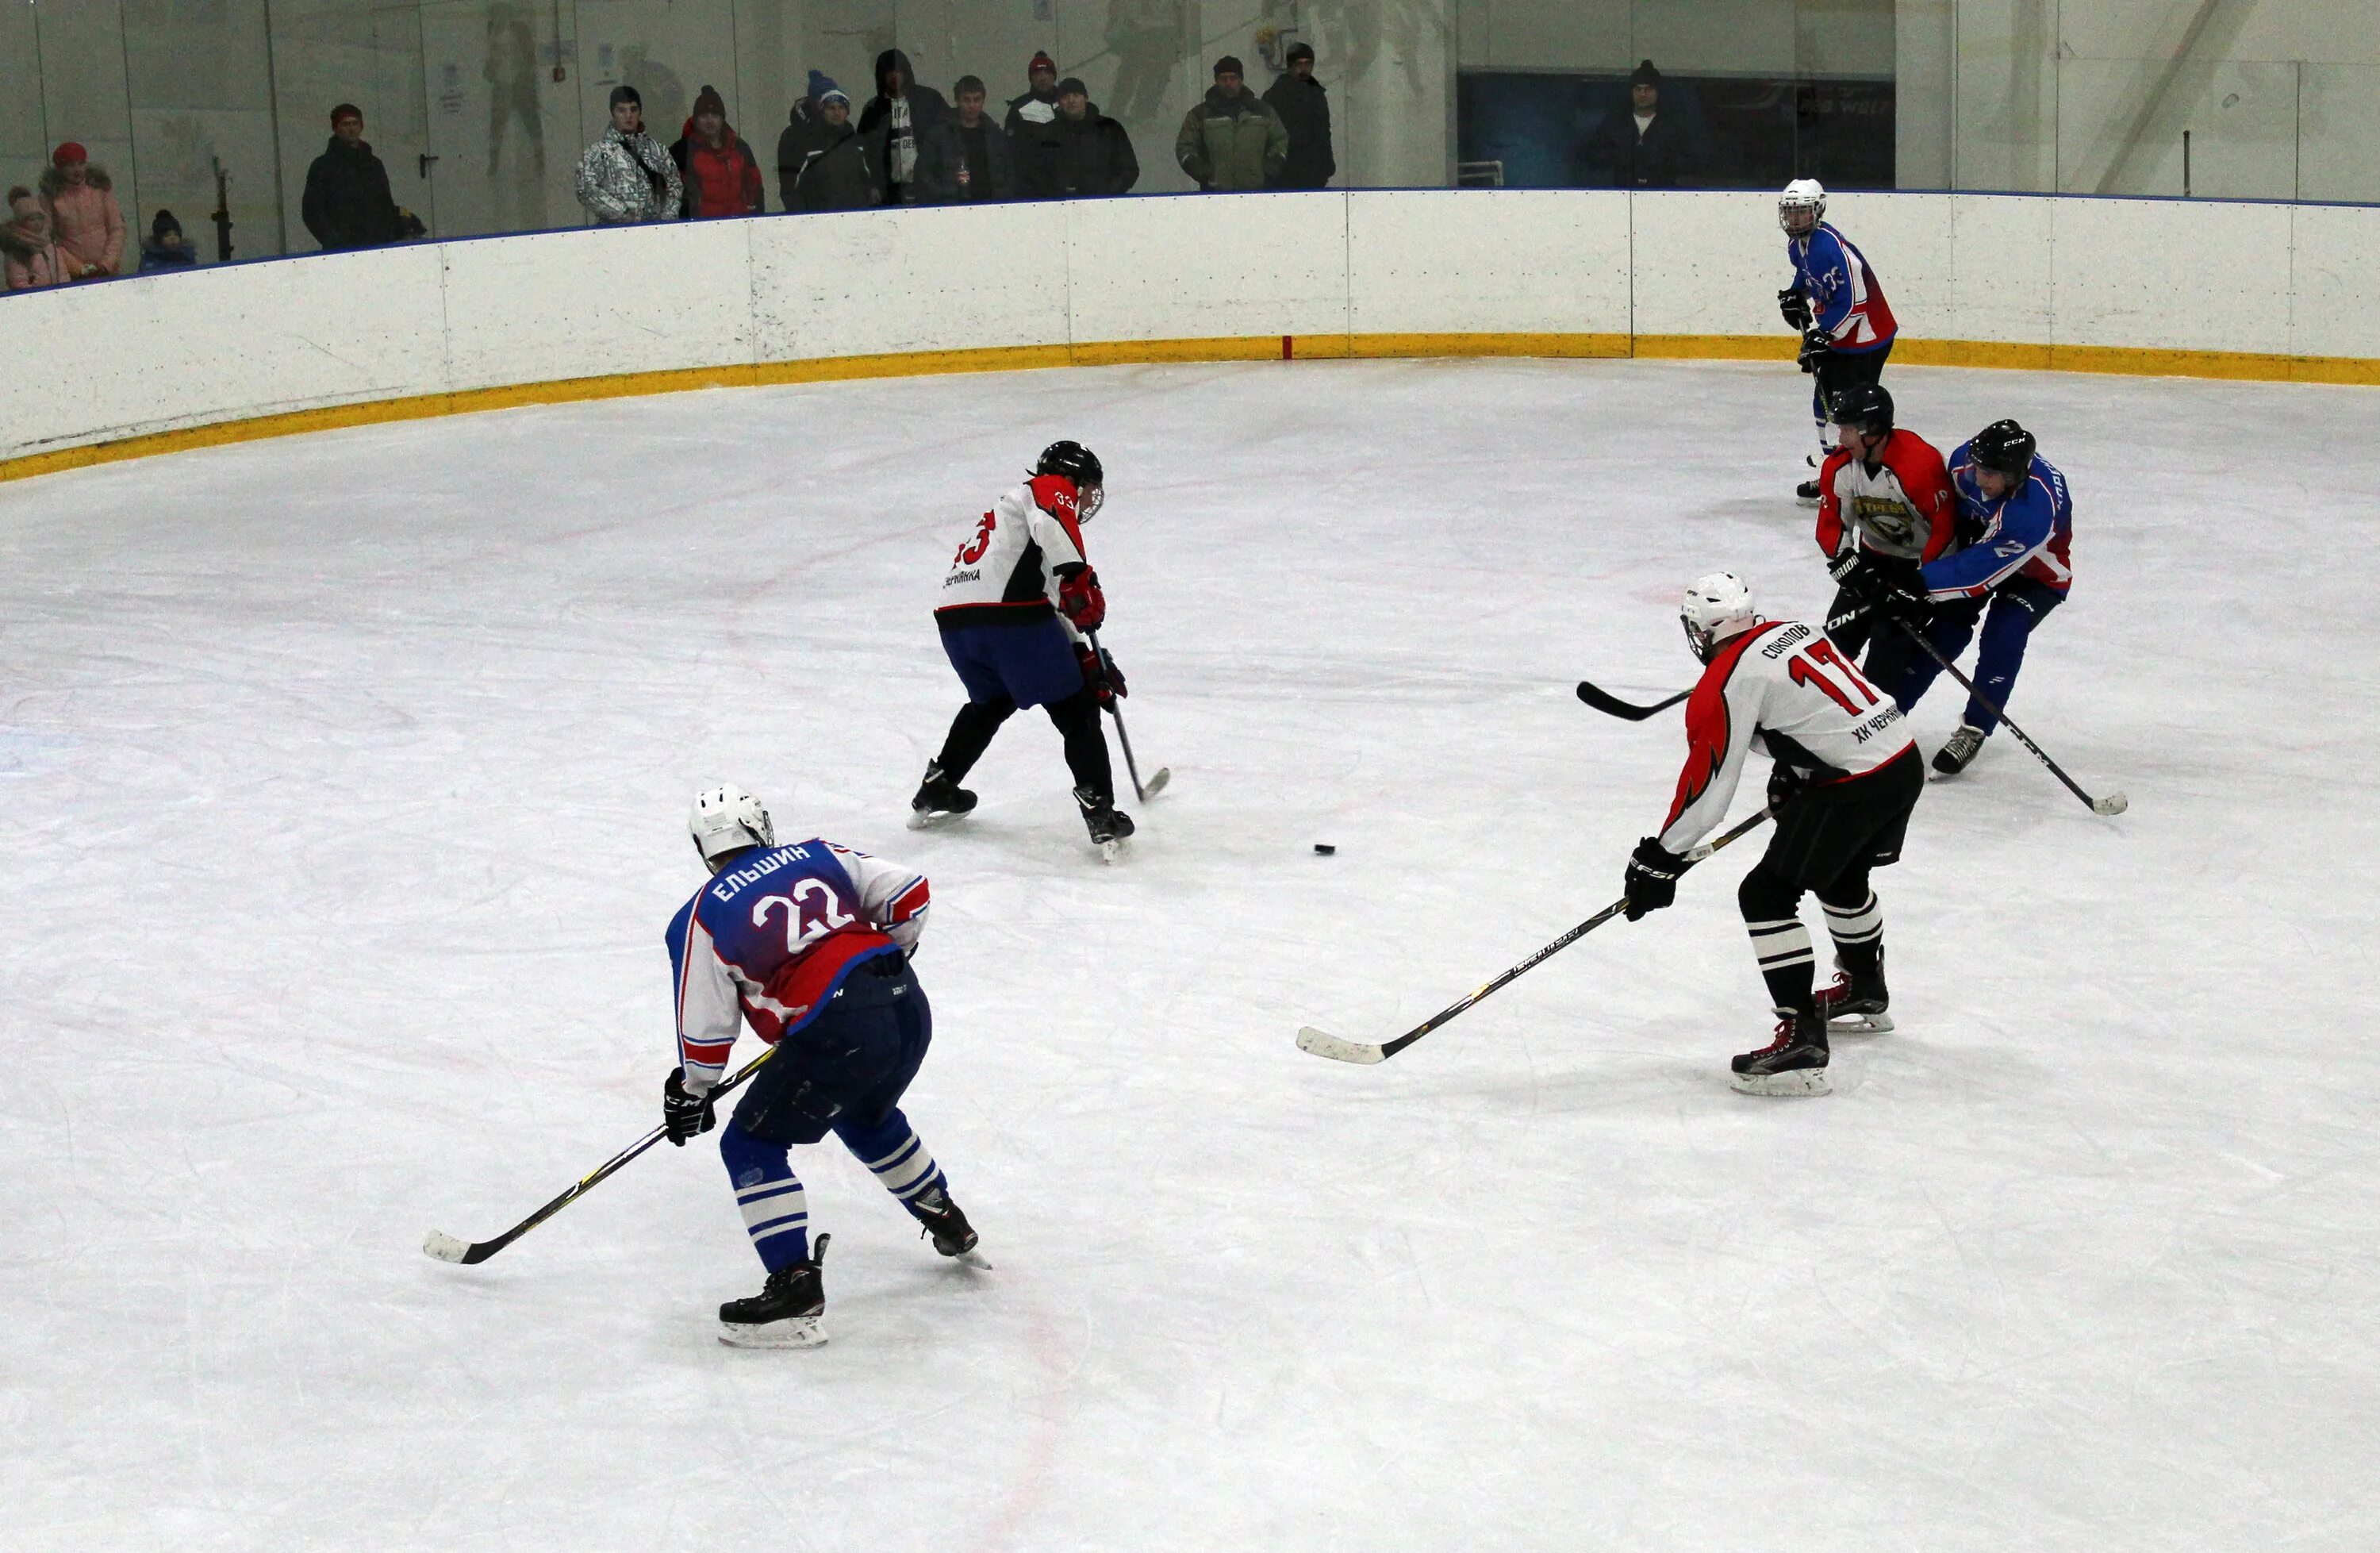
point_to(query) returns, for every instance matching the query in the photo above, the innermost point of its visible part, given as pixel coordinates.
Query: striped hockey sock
(896, 1155)
(1786, 962)
(1858, 932)
(776, 1210)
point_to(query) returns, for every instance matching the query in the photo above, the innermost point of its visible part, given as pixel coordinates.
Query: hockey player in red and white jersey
(1017, 604)
(1885, 507)
(1845, 779)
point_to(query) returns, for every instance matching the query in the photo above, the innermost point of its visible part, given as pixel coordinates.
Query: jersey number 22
(811, 912)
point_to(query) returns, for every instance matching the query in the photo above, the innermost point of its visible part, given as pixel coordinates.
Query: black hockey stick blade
(1604, 701)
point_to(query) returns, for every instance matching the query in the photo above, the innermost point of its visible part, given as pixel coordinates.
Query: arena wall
(153, 363)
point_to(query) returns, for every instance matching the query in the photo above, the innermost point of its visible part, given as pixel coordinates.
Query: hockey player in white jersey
(1845, 779)
(1017, 603)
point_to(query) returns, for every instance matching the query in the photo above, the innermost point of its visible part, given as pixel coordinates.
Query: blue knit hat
(820, 84)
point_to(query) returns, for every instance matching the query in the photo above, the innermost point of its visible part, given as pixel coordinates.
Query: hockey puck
(1324, 849)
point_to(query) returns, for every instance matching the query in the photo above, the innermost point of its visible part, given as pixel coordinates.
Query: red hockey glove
(1103, 677)
(1080, 600)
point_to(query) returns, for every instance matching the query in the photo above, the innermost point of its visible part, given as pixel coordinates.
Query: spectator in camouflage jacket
(1232, 140)
(627, 176)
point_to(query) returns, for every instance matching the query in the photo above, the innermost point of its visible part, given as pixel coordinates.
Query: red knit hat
(1041, 61)
(69, 155)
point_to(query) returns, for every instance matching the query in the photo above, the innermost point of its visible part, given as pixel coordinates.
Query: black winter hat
(1300, 51)
(1229, 63)
(623, 93)
(1645, 75)
(162, 223)
(1073, 85)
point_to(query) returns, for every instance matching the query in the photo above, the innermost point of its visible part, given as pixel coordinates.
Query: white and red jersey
(1783, 689)
(1007, 569)
(1901, 506)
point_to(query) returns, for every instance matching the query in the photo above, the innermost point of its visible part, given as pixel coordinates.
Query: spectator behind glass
(899, 116)
(28, 253)
(85, 221)
(164, 248)
(626, 177)
(804, 135)
(1095, 157)
(348, 204)
(848, 174)
(1298, 99)
(1232, 140)
(1032, 130)
(965, 158)
(721, 175)
(1641, 147)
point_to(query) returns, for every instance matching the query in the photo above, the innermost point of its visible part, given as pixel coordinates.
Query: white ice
(344, 780)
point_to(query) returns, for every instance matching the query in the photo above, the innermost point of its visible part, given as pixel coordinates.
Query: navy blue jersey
(2028, 533)
(1844, 298)
(771, 937)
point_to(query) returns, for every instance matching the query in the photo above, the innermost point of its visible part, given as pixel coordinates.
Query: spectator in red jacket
(723, 176)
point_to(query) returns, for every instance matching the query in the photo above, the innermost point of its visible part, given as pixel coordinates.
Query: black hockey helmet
(1080, 465)
(1866, 408)
(2003, 446)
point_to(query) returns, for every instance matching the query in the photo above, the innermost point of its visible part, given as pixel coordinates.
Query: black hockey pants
(1827, 840)
(1078, 721)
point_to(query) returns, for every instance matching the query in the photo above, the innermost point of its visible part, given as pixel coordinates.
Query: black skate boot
(945, 1221)
(1795, 1063)
(1960, 752)
(1856, 1005)
(786, 1312)
(1107, 823)
(938, 797)
(1806, 493)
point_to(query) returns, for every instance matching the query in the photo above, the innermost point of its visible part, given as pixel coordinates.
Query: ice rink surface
(342, 792)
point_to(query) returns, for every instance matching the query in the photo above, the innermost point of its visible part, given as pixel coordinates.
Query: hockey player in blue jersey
(2014, 565)
(809, 944)
(1846, 325)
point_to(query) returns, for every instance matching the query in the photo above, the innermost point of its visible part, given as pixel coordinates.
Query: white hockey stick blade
(1322, 1042)
(1155, 784)
(2114, 803)
(444, 1247)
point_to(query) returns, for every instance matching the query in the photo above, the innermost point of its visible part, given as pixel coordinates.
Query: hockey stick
(1604, 701)
(2114, 803)
(1164, 774)
(1322, 1042)
(446, 1248)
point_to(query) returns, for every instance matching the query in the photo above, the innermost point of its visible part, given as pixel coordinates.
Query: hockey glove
(684, 1113)
(1796, 308)
(1847, 568)
(1652, 879)
(1080, 600)
(1785, 785)
(1816, 347)
(1104, 678)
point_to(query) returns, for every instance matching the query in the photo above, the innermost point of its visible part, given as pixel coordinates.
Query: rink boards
(155, 363)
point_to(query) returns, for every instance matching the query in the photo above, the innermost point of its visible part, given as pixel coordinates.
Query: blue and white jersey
(1844, 298)
(2029, 533)
(771, 937)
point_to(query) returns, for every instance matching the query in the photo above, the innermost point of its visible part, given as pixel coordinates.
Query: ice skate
(1855, 1006)
(946, 1222)
(786, 1312)
(1960, 752)
(1806, 493)
(938, 798)
(1795, 1063)
(1108, 824)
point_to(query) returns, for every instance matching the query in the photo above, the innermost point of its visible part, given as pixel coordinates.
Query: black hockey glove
(1785, 785)
(1816, 347)
(1796, 308)
(682, 1114)
(1652, 878)
(1846, 568)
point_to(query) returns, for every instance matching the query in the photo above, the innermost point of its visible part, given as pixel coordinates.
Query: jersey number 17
(1810, 668)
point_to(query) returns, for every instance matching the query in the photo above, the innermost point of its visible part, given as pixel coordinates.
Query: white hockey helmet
(725, 819)
(1802, 194)
(1715, 608)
